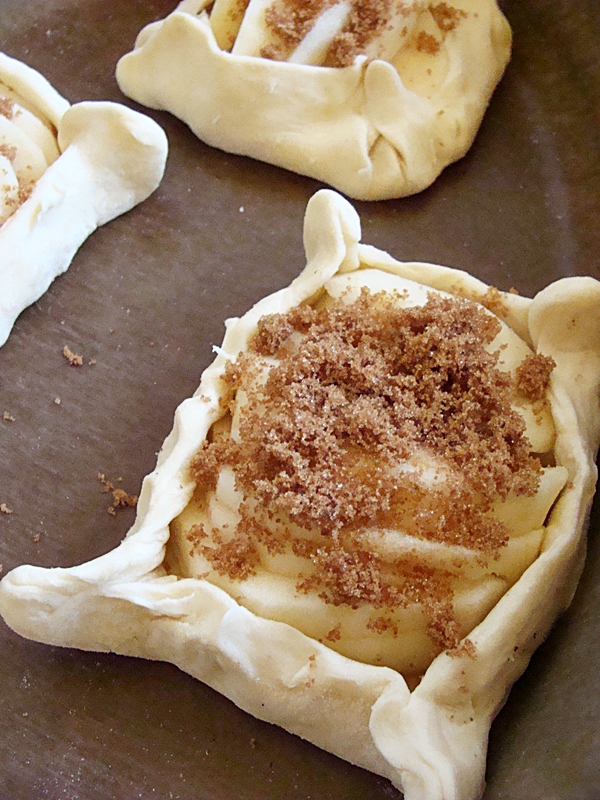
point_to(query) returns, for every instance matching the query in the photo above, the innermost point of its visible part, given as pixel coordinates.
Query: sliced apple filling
(331, 33)
(28, 145)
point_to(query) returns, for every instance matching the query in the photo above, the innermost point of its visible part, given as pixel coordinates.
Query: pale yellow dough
(431, 741)
(83, 165)
(376, 129)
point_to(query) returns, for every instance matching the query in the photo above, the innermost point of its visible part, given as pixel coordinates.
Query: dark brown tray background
(146, 297)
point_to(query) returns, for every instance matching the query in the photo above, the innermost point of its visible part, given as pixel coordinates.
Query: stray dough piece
(62, 168)
(375, 97)
(206, 602)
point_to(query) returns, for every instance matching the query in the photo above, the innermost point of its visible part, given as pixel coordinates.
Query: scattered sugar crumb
(37, 537)
(121, 498)
(4, 509)
(7, 417)
(465, 648)
(533, 376)
(74, 359)
(57, 400)
(335, 634)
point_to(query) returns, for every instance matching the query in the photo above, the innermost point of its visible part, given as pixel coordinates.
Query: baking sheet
(146, 297)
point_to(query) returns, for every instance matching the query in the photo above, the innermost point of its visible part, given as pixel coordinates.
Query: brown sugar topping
(494, 301)
(533, 376)
(446, 17)
(290, 20)
(335, 634)
(7, 108)
(343, 433)
(427, 43)
(8, 151)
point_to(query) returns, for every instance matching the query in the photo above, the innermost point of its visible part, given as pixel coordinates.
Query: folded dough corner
(64, 169)
(374, 129)
(429, 739)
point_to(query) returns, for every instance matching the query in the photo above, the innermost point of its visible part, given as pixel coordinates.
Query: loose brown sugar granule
(335, 634)
(533, 376)
(74, 359)
(494, 302)
(204, 467)
(383, 624)
(106, 484)
(447, 17)
(236, 558)
(275, 329)
(4, 509)
(7, 108)
(8, 151)
(196, 536)
(465, 648)
(121, 499)
(25, 192)
(427, 43)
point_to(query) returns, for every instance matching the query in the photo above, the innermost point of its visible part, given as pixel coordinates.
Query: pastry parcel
(374, 97)
(369, 514)
(63, 172)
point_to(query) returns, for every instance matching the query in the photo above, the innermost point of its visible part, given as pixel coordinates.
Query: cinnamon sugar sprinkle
(358, 392)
